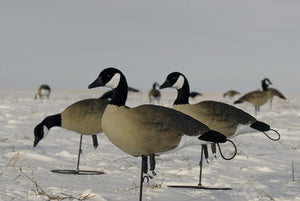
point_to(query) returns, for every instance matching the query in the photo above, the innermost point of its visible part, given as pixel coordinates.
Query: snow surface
(262, 170)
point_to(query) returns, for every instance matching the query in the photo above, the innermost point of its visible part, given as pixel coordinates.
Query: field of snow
(262, 170)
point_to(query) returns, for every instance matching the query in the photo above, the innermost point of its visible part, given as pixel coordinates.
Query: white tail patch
(114, 81)
(179, 83)
(243, 129)
(46, 131)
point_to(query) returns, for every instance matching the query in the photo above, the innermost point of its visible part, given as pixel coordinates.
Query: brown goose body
(230, 93)
(274, 92)
(256, 98)
(148, 129)
(84, 117)
(217, 116)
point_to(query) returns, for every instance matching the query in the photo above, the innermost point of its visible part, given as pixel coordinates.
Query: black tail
(238, 101)
(260, 126)
(213, 136)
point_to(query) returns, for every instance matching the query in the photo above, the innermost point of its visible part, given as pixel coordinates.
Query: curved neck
(154, 86)
(183, 94)
(120, 93)
(264, 86)
(51, 121)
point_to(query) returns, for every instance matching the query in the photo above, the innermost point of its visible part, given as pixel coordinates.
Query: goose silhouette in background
(43, 91)
(146, 130)
(194, 94)
(230, 93)
(107, 95)
(257, 98)
(154, 93)
(274, 92)
(83, 117)
(218, 116)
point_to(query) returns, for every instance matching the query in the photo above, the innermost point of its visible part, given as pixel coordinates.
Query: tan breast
(147, 129)
(84, 117)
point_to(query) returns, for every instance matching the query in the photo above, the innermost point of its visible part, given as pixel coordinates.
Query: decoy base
(78, 172)
(199, 187)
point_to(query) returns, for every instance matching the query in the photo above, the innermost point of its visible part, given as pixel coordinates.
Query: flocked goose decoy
(230, 93)
(43, 91)
(218, 116)
(154, 93)
(274, 92)
(145, 130)
(257, 98)
(83, 117)
(194, 94)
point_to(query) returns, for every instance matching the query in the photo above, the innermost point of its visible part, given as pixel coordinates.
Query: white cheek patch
(114, 82)
(179, 83)
(46, 131)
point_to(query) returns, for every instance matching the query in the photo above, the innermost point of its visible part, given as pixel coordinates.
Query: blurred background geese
(43, 91)
(154, 93)
(230, 93)
(83, 117)
(145, 130)
(218, 116)
(257, 98)
(274, 92)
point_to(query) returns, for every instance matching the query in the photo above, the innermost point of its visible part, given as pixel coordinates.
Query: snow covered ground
(262, 170)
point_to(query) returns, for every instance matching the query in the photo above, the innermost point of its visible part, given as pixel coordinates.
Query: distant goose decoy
(257, 98)
(145, 130)
(107, 95)
(274, 92)
(83, 117)
(43, 91)
(194, 94)
(154, 93)
(218, 116)
(230, 93)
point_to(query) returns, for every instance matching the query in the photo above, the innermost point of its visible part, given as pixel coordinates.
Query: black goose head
(265, 84)
(115, 79)
(174, 80)
(178, 81)
(39, 132)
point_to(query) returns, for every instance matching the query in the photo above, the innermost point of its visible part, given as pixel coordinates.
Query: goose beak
(166, 84)
(97, 83)
(36, 141)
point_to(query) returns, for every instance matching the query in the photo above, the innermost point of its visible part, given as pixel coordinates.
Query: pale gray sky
(218, 45)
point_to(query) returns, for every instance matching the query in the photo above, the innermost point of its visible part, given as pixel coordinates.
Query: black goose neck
(51, 121)
(120, 93)
(183, 94)
(265, 86)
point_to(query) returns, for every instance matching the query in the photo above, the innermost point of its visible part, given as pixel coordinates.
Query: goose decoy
(274, 92)
(154, 93)
(43, 91)
(83, 117)
(230, 93)
(107, 95)
(133, 89)
(194, 94)
(145, 130)
(218, 116)
(257, 98)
